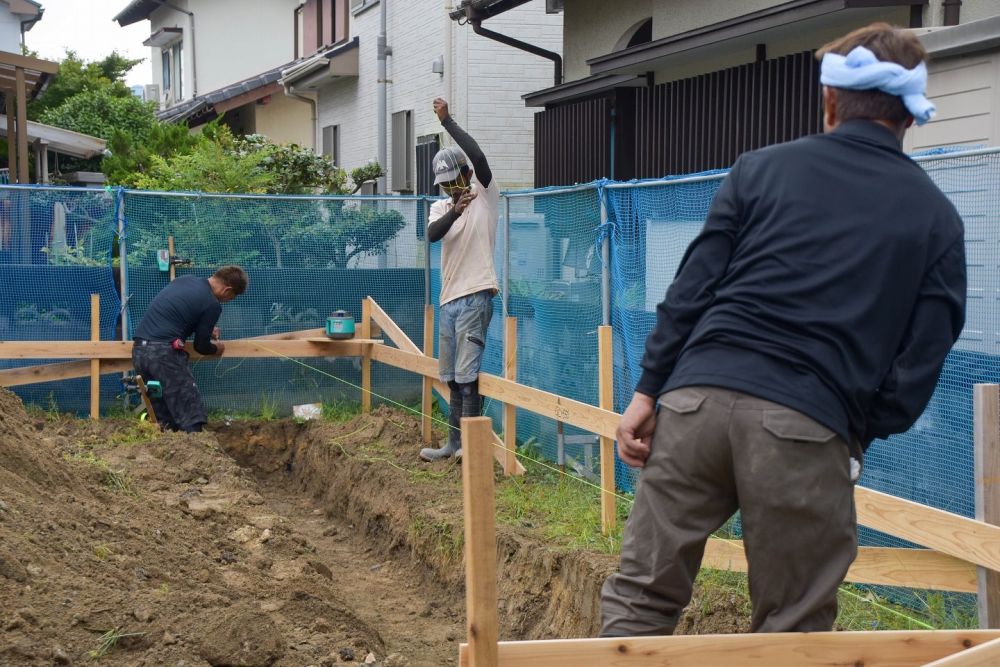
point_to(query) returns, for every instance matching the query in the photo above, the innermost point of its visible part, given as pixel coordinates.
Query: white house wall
(486, 81)
(10, 30)
(966, 91)
(234, 40)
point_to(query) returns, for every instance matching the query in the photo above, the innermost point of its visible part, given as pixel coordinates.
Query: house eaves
(972, 37)
(581, 88)
(754, 27)
(28, 8)
(316, 70)
(135, 11)
(483, 9)
(203, 108)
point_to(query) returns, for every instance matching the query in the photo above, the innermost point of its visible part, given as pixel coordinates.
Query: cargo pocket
(792, 425)
(682, 401)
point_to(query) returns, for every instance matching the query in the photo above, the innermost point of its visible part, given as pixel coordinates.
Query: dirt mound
(147, 549)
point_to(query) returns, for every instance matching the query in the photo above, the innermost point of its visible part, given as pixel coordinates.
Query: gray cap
(448, 164)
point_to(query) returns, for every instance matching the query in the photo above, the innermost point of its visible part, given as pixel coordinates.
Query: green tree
(305, 232)
(77, 76)
(100, 113)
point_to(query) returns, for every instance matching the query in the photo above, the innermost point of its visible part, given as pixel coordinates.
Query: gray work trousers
(715, 451)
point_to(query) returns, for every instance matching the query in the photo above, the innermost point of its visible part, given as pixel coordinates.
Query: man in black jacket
(811, 315)
(187, 306)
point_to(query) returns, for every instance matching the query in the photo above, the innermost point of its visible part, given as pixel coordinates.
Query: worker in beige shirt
(466, 225)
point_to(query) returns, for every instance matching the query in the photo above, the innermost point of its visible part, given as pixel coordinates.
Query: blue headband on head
(861, 70)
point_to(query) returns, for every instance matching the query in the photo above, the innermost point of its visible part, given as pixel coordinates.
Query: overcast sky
(85, 26)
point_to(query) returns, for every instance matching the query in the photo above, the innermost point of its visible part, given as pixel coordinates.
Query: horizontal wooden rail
(587, 417)
(403, 342)
(871, 649)
(908, 568)
(314, 347)
(67, 370)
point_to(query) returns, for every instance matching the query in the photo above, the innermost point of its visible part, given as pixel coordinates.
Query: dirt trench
(257, 544)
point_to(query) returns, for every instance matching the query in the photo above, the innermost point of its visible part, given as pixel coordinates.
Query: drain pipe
(380, 114)
(477, 27)
(952, 11)
(194, 59)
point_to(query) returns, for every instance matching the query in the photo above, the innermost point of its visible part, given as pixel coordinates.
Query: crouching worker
(466, 225)
(189, 305)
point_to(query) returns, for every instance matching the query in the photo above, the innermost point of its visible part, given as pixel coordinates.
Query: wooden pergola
(21, 78)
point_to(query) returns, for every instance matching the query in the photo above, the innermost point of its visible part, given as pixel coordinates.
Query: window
(427, 146)
(172, 72)
(177, 56)
(331, 143)
(403, 150)
(165, 69)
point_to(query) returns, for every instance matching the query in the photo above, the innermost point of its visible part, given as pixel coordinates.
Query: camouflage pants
(180, 407)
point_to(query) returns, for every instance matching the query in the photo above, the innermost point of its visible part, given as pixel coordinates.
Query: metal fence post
(506, 254)
(122, 262)
(605, 258)
(427, 252)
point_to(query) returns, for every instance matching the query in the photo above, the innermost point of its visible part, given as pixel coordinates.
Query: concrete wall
(233, 40)
(284, 120)
(483, 81)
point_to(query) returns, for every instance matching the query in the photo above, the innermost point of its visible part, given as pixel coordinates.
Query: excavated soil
(271, 543)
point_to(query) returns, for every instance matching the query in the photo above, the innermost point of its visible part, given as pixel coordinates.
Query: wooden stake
(984, 655)
(510, 411)
(144, 393)
(986, 430)
(170, 252)
(605, 356)
(480, 541)
(427, 397)
(95, 364)
(366, 359)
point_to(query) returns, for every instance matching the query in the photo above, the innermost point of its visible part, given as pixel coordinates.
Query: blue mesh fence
(308, 256)
(55, 251)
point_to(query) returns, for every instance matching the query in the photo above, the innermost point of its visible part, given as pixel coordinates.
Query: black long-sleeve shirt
(184, 307)
(480, 166)
(829, 277)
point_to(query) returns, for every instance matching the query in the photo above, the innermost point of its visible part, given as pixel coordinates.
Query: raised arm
(465, 142)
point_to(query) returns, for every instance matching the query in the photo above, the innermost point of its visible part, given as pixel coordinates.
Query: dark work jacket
(829, 277)
(184, 307)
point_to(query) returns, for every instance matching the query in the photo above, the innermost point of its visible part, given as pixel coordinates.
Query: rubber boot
(471, 406)
(454, 442)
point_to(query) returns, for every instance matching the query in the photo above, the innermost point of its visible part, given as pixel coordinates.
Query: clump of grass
(119, 482)
(565, 508)
(339, 410)
(109, 640)
(269, 407)
(102, 552)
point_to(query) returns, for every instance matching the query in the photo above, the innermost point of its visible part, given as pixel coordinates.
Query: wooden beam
(560, 408)
(234, 348)
(952, 534)
(906, 568)
(95, 364)
(984, 655)
(606, 392)
(510, 411)
(479, 502)
(29, 63)
(67, 370)
(403, 342)
(170, 255)
(22, 132)
(11, 144)
(793, 649)
(986, 439)
(301, 334)
(427, 384)
(366, 359)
